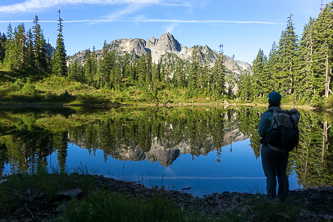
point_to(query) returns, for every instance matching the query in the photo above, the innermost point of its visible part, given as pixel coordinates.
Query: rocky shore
(316, 204)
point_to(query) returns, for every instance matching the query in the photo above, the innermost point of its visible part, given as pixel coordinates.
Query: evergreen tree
(148, 61)
(193, 75)
(59, 66)
(320, 71)
(257, 77)
(19, 47)
(126, 68)
(75, 72)
(141, 71)
(118, 75)
(133, 71)
(30, 50)
(178, 75)
(40, 53)
(244, 85)
(94, 65)
(219, 72)
(88, 67)
(2, 46)
(323, 44)
(271, 70)
(104, 67)
(304, 84)
(60, 143)
(288, 56)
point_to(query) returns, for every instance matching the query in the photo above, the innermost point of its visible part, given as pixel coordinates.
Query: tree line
(26, 143)
(114, 72)
(298, 68)
(27, 51)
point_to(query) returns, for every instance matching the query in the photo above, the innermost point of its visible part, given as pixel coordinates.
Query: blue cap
(274, 97)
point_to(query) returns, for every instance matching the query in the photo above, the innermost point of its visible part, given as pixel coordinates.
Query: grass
(31, 87)
(16, 186)
(107, 206)
(104, 205)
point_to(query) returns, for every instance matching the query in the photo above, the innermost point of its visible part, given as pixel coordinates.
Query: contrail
(149, 21)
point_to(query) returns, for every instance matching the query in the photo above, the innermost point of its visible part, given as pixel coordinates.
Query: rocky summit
(163, 50)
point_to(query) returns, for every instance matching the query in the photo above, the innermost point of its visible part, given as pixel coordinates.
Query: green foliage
(299, 69)
(107, 206)
(37, 181)
(3, 39)
(59, 66)
(28, 89)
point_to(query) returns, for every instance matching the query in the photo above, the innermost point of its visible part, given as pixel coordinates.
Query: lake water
(206, 149)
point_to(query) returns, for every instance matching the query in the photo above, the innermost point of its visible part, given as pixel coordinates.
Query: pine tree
(94, 65)
(118, 75)
(30, 50)
(257, 77)
(320, 71)
(104, 67)
(193, 75)
(291, 54)
(126, 67)
(177, 75)
(323, 38)
(2, 46)
(59, 66)
(9, 50)
(60, 143)
(148, 61)
(19, 47)
(75, 72)
(218, 79)
(304, 82)
(88, 67)
(244, 85)
(133, 72)
(288, 55)
(270, 71)
(40, 53)
(141, 71)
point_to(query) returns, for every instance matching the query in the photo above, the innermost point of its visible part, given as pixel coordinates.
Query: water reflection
(207, 149)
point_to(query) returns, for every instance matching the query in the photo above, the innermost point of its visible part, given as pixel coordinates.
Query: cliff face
(166, 45)
(166, 152)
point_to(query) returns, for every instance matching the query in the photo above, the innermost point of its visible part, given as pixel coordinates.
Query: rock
(317, 196)
(33, 197)
(326, 189)
(328, 217)
(71, 193)
(19, 211)
(285, 216)
(186, 188)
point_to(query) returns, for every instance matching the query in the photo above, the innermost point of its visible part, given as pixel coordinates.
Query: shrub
(29, 89)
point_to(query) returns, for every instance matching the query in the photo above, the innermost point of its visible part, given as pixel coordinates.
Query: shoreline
(315, 203)
(106, 105)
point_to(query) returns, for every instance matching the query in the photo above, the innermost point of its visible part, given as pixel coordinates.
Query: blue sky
(242, 26)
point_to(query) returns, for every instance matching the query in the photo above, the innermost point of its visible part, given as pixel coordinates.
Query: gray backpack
(285, 133)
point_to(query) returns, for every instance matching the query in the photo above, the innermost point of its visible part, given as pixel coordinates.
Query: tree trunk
(328, 78)
(325, 141)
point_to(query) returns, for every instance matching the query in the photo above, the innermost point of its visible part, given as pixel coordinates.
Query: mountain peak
(167, 42)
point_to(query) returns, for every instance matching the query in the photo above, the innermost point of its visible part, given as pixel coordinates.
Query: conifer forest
(299, 67)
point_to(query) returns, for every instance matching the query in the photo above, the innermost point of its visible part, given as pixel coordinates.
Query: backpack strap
(291, 119)
(275, 123)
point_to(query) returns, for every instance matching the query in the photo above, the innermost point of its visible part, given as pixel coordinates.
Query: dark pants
(275, 165)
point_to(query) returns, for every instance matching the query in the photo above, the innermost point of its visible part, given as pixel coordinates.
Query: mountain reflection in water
(206, 148)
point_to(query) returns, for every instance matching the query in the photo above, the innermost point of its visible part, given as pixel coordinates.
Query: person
(274, 160)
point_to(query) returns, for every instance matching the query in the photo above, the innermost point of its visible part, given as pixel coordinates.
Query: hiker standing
(274, 159)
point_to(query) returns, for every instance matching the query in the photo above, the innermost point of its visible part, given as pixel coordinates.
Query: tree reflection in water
(158, 134)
